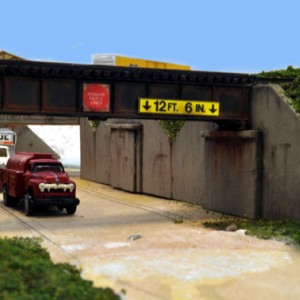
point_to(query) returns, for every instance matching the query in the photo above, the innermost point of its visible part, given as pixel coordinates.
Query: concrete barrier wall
(95, 152)
(188, 168)
(156, 167)
(169, 169)
(281, 129)
(188, 161)
(174, 168)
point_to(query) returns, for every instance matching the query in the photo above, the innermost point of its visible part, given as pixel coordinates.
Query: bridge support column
(234, 172)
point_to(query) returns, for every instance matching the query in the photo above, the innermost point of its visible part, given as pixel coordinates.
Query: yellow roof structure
(6, 55)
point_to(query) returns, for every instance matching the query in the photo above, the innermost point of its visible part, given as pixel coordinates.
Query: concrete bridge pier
(234, 172)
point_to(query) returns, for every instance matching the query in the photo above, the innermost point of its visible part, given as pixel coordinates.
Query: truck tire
(7, 199)
(28, 206)
(71, 209)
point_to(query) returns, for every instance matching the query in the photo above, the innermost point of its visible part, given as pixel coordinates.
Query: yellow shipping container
(124, 61)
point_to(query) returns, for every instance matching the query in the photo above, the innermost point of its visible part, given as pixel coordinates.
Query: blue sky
(213, 35)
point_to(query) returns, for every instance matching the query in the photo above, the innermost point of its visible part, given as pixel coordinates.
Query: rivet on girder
(165, 75)
(86, 72)
(136, 74)
(76, 72)
(45, 70)
(174, 77)
(13, 69)
(97, 73)
(192, 78)
(35, 70)
(24, 69)
(107, 74)
(125, 74)
(226, 79)
(155, 76)
(182, 77)
(218, 79)
(55, 71)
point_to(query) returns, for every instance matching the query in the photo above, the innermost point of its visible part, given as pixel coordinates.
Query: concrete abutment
(233, 172)
(252, 173)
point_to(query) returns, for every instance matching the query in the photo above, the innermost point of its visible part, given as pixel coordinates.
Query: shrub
(27, 273)
(292, 88)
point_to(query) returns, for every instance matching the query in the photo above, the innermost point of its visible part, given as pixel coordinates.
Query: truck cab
(37, 179)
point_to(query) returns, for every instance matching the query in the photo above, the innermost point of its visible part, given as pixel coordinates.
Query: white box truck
(8, 140)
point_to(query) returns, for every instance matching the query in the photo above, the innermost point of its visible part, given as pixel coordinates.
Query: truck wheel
(28, 206)
(71, 209)
(7, 200)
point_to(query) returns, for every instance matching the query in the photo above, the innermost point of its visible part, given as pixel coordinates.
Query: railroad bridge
(236, 160)
(57, 89)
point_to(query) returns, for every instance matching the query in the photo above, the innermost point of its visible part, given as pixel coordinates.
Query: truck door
(4, 155)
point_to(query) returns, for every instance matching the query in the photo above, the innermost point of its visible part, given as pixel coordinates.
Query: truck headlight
(72, 187)
(42, 186)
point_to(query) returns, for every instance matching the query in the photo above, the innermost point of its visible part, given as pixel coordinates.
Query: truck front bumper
(59, 202)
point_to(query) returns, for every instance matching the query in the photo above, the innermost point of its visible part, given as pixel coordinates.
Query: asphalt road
(150, 248)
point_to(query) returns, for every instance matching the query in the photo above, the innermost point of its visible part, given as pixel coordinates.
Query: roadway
(151, 248)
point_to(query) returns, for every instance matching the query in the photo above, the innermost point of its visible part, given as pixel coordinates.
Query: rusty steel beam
(58, 89)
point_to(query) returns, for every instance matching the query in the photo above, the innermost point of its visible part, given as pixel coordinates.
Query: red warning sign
(96, 97)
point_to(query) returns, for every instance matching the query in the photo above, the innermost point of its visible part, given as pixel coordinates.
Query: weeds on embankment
(292, 88)
(286, 231)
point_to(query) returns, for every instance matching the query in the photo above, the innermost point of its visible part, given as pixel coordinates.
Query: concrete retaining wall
(169, 169)
(28, 141)
(281, 129)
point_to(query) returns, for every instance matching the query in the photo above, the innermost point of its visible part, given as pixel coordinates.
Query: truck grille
(56, 188)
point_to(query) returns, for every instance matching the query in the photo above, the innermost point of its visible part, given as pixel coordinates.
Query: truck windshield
(57, 168)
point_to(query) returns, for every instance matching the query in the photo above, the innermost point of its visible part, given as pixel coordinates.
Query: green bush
(171, 127)
(292, 88)
(27, 273)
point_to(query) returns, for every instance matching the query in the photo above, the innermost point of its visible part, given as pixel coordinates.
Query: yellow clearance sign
(179, 107)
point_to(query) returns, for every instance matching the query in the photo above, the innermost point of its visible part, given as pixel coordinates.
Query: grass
(27, 273)
(178, 221)
(286, 231)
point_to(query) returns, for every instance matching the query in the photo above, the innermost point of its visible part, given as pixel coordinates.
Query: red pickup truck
(37, 179)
